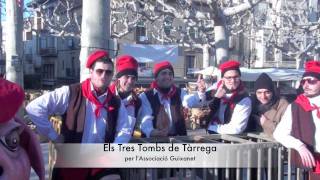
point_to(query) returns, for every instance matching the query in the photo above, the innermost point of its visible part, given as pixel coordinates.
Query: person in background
(299, 127)
(123, 87)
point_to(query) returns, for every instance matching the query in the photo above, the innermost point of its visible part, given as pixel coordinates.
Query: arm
(52, 103)
(125, 125)
(282, 132)
(283, 135)
(145, 115)
(238, 121)
(196, 100)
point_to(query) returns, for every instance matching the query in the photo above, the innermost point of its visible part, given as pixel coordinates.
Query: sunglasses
(106, 72)
(228, 78)
(309, 81)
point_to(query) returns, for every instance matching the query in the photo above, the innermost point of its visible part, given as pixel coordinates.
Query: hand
(159, 133)
(201, 85)
(220, 91)
(306, 156)
(263, 119)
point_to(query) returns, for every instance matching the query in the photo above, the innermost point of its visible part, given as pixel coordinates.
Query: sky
(3, 7)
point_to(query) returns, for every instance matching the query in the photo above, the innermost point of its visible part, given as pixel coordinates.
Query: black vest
(74, 118)
(303, 128)
(215, 105)
(153, 98)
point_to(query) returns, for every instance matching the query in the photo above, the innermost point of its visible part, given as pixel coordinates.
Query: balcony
(48, 52)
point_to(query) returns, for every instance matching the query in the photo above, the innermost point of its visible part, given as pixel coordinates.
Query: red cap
(96, 56)
(11, 98)
(229, 65)
(312, 68)
(126, 65)
(161, 66)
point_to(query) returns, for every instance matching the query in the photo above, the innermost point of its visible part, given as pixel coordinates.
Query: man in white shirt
(299, 127)
(123, 87)
(230, 105)
(162, 113)
(91, 113)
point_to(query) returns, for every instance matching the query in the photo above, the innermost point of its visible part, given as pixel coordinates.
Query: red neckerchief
(167, 96)
(304, 102)
(87, 93)
(230, 101)
(317, 159)
(113, 90)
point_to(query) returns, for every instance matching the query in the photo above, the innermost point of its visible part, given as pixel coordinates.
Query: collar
(95, 93)
(315, 100)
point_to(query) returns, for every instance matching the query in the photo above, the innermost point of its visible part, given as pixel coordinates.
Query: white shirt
(56, 103)
(283, 131)
(239, 118)
(146, 110)
(130, 108)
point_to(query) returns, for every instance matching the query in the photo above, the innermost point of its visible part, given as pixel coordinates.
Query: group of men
(95, 111)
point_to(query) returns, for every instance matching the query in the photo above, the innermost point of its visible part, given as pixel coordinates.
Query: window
(141, 35)
(167, 25)
(192, 32)
(48, 71)
(190, 65)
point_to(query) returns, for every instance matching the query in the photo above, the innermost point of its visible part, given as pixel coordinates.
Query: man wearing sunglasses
(90, 113)
(123, 87)
(299, 127)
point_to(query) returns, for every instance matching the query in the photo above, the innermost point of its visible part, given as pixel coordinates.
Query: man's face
(101, 75)
(264, 95)
(14, 161)
(127, 83)
(231, 79)
(165, 78)
(311, 86)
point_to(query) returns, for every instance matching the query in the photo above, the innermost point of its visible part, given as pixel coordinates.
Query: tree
(14, 45)
(201, 24)
(294, 29)
(95, 30)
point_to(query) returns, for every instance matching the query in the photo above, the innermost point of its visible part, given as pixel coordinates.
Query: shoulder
(283, 102)
(245, 101)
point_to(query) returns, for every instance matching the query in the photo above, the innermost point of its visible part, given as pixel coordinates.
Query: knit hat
(11, 98)
(161, 66)
(126, 65)
(264, 82)
(229, 65)
(95, 56)
(312, 68)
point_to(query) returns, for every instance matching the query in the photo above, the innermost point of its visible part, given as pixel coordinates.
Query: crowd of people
(100, 111)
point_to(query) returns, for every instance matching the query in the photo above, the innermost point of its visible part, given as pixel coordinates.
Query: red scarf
(113, 87)
(87, 93)
(166, 96)
(304, 102)
(235, 93)
(317, 159)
